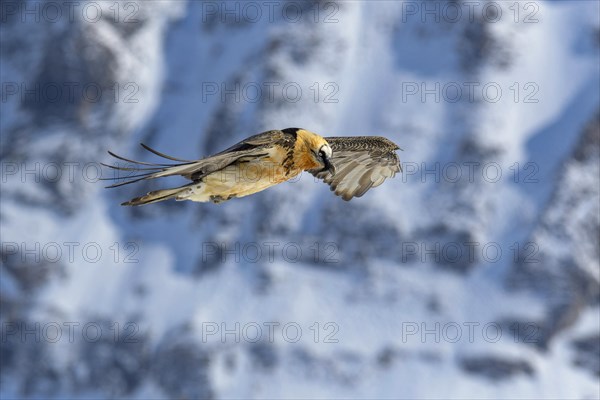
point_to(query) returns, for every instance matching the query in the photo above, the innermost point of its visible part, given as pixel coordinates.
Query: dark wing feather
(361, 162)
(264, 139)
(195, 170)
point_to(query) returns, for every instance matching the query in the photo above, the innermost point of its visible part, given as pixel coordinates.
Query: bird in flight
(349, 165)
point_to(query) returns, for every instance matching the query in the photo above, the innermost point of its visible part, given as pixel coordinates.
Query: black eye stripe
(321, 153)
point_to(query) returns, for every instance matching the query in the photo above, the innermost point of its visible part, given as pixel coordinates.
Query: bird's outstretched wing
(361, 163)
(135, 171)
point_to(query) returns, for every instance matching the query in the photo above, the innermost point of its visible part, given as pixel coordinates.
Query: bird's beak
(328, 165)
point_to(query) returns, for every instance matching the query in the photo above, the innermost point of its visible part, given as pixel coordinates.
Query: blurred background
(474, 274)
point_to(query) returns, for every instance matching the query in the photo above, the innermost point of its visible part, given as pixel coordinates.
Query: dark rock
(588, 353)
(264, 355)
(532, 333)
(496, 368)
(180, 368)
(25, 354)
(564, 279)
(30, 271)
(386, 357)
(115, 364)
(448, 248)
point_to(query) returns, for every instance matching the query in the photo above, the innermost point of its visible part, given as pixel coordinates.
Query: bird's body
(242, 178)
(238, 180)
(268, 159)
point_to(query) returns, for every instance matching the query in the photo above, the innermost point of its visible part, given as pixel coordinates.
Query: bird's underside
(350, 165)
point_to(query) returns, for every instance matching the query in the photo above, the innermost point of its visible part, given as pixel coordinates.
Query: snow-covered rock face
(479, 264)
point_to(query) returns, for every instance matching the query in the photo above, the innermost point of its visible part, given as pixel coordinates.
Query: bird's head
(317, 148)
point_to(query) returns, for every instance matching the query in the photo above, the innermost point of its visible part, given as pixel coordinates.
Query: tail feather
(158, 195)
(135, 161)
(141, 170)
(150, 171)
(163, 155)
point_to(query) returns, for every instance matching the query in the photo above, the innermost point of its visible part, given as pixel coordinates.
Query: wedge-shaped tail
(195, 170)
(148, 170)
(158, 195)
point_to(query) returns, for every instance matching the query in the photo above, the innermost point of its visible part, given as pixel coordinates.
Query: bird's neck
(303, 158)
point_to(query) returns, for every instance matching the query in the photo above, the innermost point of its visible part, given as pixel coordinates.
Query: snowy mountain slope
(378, 291)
